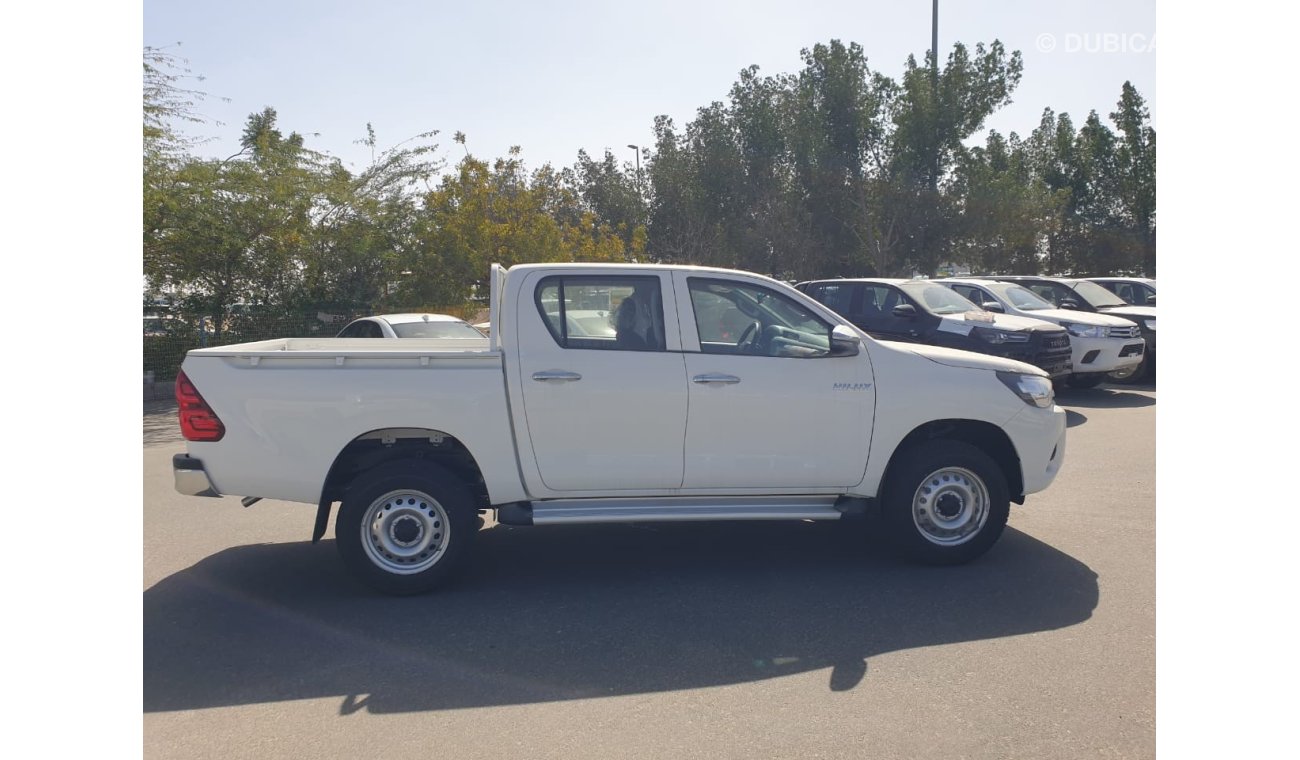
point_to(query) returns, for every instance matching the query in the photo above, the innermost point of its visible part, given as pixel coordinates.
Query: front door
(769, 406)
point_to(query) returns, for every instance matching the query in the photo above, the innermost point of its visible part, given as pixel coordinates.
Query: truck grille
(1123, 332)
(1051, 352)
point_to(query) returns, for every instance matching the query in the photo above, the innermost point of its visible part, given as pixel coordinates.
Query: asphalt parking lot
(741, 640)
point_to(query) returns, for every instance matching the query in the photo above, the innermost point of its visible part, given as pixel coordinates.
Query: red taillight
(198, 421)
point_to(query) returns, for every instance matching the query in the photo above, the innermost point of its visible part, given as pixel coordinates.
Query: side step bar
(676, 509)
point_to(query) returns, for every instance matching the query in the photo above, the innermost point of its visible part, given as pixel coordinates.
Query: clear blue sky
(556, 77)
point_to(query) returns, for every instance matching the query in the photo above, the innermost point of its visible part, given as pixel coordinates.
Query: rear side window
(971, 294)
(603, 313)
(837, 296)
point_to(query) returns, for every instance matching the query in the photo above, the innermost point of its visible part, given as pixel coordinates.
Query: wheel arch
(394, 444)
(985, 436)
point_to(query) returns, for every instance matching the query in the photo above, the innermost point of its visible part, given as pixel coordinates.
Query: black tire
(405, 527)
(975, 492)
(1091, 380)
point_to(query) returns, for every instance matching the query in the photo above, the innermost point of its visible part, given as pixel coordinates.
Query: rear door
(603, 409)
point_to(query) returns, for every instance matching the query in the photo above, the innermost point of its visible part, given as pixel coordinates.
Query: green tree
(1008, 212)
(1135, 165)
(235, 230)
(930, 128)
(611, 192)
(365, 224)
(480, 215)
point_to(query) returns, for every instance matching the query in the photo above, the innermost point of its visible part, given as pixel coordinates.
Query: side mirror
(1151, 300)
(905, 310)
(1068, 304)
(844, 342)
(993, 306)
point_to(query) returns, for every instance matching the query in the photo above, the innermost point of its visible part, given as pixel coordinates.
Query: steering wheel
(748, 339)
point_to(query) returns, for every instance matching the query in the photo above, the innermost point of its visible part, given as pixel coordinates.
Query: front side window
(735, 318)
(603, 313)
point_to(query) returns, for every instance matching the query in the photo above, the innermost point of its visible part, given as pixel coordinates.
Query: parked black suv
(919, 311)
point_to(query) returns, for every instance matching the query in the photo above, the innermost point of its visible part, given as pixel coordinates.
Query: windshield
(1023, 299)
(456, 330)
(937, 299)
(1096, 294)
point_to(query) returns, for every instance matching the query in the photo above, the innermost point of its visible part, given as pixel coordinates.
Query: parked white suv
(1100, 344)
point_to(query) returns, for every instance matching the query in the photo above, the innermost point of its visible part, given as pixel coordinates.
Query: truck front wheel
(946, 503)
(404, 527)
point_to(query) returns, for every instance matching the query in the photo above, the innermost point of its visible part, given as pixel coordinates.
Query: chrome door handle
(556, 374)
(714, 377)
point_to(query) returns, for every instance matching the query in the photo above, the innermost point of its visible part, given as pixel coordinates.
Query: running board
(674, 509)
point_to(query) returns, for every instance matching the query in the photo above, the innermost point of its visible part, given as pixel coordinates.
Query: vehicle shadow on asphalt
(1073, 418)
(557, 613)
(1109, 397)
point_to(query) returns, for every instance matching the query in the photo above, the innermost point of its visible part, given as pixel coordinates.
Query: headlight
(1084, 331)
(1034, 390)
(1150, 323)
(995, 336)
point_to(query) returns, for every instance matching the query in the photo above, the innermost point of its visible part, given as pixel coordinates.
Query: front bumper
(1051, 355)
(1038, 436)
(190, 477)
(1106, 354)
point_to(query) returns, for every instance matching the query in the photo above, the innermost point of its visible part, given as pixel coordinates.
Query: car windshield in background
(937, 299)
(1023, 299)
(455, 330)
(1097, 295)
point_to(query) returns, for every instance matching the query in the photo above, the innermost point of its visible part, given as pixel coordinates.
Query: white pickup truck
(713, 395)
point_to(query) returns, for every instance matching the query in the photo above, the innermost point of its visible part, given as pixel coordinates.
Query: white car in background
(411, 326)
(587, 323)
(1099, 343)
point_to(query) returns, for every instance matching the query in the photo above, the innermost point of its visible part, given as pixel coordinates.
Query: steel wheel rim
(405, 532)
(950, 506)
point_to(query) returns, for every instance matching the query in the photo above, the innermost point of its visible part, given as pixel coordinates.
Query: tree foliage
(836, 169)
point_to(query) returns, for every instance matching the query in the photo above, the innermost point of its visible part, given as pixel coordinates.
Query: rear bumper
(190, 477)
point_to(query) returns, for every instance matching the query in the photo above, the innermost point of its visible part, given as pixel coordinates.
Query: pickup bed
(705, 394)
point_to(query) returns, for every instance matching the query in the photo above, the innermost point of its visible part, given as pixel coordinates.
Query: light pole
(640, 191)
(637, 150)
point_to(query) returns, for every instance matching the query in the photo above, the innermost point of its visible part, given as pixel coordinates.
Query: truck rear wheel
(404, 527)
(947, 503)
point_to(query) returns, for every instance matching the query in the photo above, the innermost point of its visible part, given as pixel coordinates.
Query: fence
(167, 340)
